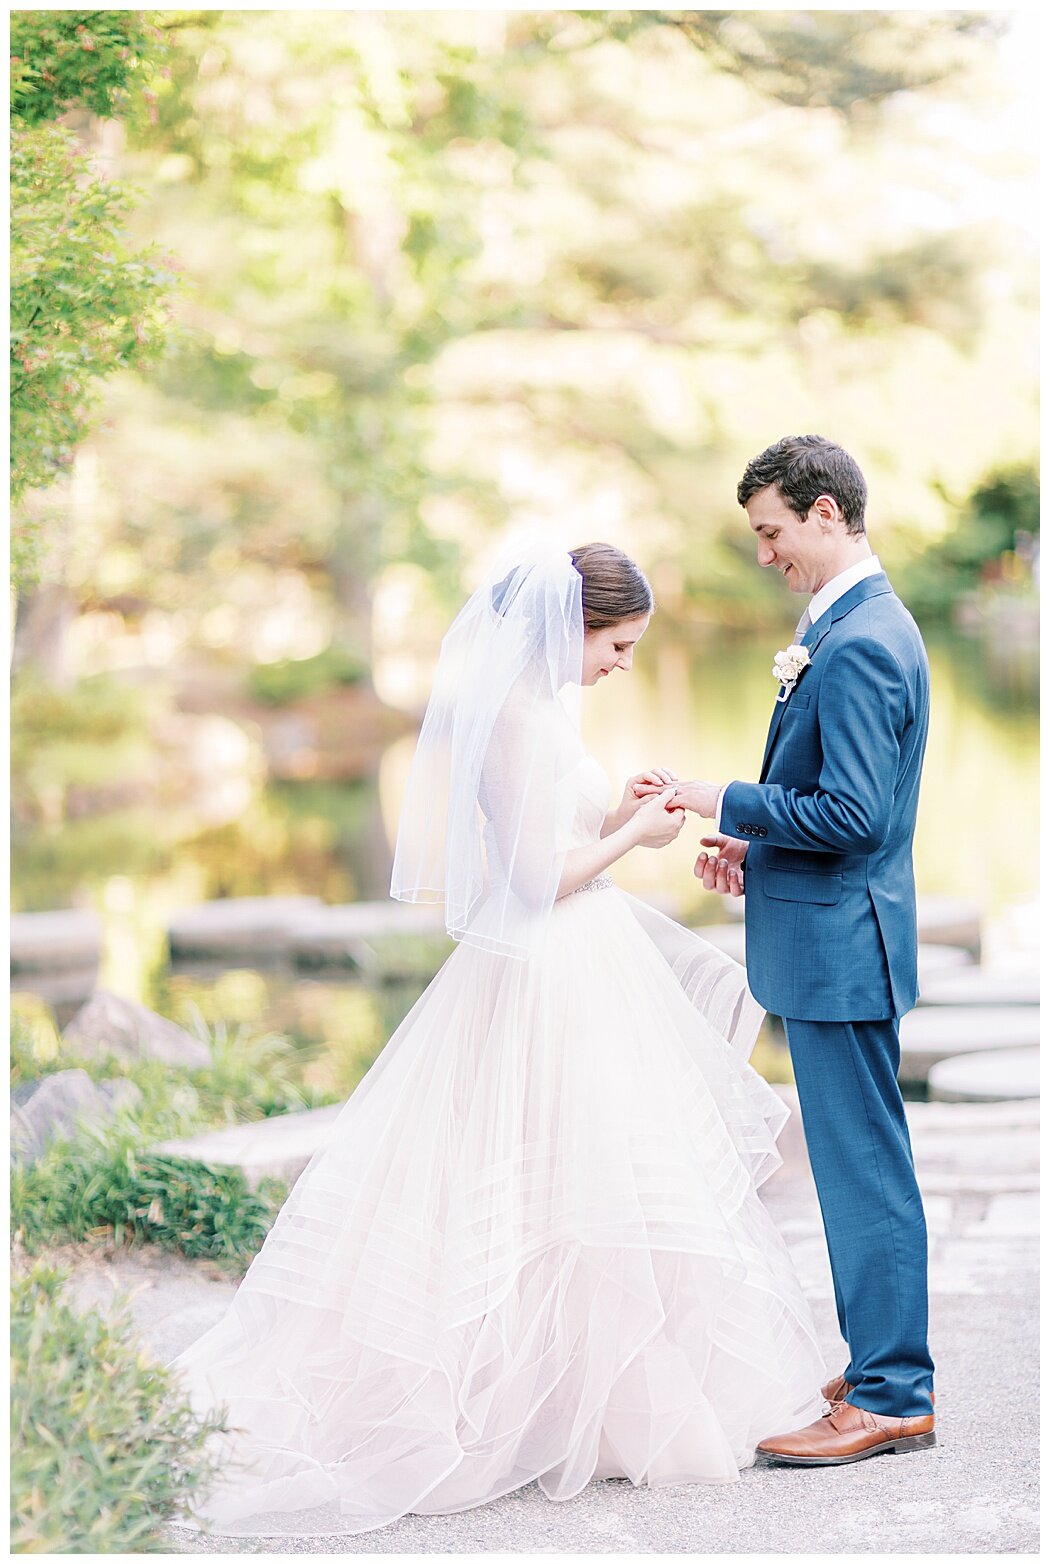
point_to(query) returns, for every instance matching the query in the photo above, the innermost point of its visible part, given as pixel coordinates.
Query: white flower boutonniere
(787, 666)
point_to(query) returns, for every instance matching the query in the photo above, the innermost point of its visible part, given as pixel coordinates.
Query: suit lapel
(871, 586)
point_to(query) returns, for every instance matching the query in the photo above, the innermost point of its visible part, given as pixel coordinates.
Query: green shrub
(108, 1182)
(93, 736)
(280, 683)
(252, 1075)
(104, 1450)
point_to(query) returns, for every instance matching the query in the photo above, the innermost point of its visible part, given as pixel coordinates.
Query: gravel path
(977, 1492)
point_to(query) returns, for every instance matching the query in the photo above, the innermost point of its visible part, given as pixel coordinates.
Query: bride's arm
(651, 825)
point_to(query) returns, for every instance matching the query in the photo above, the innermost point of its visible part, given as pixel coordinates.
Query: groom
(822, 844)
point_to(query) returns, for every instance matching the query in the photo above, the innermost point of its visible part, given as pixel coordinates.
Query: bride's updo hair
(614, 588)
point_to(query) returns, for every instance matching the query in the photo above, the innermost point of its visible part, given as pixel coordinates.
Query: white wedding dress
(532, 1248)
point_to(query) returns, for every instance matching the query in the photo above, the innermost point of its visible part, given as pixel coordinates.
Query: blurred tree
(1000, 513)
(83, 301)
(450, 269)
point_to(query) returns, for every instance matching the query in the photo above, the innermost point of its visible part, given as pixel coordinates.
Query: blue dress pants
(860, 1153)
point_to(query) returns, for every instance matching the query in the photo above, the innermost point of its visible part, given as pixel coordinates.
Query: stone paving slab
(975, 1493)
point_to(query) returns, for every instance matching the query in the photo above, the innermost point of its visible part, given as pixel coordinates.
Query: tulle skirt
(532, 1249)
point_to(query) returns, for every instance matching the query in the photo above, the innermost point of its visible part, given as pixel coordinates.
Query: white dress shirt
(819, 604)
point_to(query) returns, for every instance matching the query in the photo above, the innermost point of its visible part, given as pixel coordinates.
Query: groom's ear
(826, 512)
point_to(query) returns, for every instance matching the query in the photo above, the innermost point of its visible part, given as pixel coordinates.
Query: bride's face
(611, 647)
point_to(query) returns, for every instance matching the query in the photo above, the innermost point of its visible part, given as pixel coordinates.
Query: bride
(532, 1248)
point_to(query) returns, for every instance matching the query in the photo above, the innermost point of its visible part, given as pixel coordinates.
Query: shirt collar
(839, 585)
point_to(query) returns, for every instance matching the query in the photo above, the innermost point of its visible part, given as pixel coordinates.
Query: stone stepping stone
(277, 1147)
(934, 960)
(386, 939)
(986, 1077)
(978, 986)
(937, 1032)
(238, 926)
(64, 991)
(55, 941)
(936, 1119)
(950, 920)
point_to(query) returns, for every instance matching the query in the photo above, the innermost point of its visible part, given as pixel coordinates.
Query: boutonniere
(787, 666)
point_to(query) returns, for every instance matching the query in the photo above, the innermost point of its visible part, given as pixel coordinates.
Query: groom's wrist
(718, 807)
(700, 797)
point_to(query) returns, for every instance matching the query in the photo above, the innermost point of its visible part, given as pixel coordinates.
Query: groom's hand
(722, 871)
(700, 797)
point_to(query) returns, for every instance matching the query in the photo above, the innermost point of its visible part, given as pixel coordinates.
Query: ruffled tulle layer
(532, 1249)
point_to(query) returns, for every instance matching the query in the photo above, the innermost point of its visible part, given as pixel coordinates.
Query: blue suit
(832, 948)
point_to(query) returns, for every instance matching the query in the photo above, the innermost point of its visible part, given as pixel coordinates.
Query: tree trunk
(355, 561)
(41, 645)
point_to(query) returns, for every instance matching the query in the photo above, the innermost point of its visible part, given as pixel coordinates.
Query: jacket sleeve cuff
(724, 815)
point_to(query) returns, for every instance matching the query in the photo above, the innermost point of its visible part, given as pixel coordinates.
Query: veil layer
(491, 797)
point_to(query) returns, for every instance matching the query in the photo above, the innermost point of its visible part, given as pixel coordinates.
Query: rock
(277, 1147)
(986, 1077)
(247, 926)
(120, 1093)
(111, 1024)
(950, 920)
(55, 1104)
(55, 941)
(977, 986)
(937, 1032)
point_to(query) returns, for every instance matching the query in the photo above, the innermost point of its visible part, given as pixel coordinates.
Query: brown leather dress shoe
(838, 1389)
(846, 1433)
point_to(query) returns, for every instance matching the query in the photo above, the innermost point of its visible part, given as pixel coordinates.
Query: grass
(107, 1182)
(104, 1449)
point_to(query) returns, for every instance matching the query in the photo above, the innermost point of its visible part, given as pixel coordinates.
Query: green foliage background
(448, 272)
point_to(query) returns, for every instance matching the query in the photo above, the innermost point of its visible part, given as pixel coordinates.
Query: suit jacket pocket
(799, 699)
(802, 885)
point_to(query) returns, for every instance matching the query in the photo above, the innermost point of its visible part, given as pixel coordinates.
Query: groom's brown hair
(804, 466)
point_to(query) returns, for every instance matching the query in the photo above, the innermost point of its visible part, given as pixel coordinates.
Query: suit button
(741, 826)
(762, 830)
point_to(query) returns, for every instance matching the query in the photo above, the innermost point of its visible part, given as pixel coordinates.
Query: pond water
(698, 705)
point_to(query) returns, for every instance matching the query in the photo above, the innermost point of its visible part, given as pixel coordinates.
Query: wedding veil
(491, 798)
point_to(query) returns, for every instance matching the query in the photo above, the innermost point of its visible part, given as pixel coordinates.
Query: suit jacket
(829, 881)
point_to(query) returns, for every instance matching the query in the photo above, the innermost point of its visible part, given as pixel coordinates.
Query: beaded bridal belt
(601, 882)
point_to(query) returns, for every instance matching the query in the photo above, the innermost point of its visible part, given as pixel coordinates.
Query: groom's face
(794, 545)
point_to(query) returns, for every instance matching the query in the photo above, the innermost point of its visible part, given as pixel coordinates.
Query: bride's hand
(654, 823)
(643, 785)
